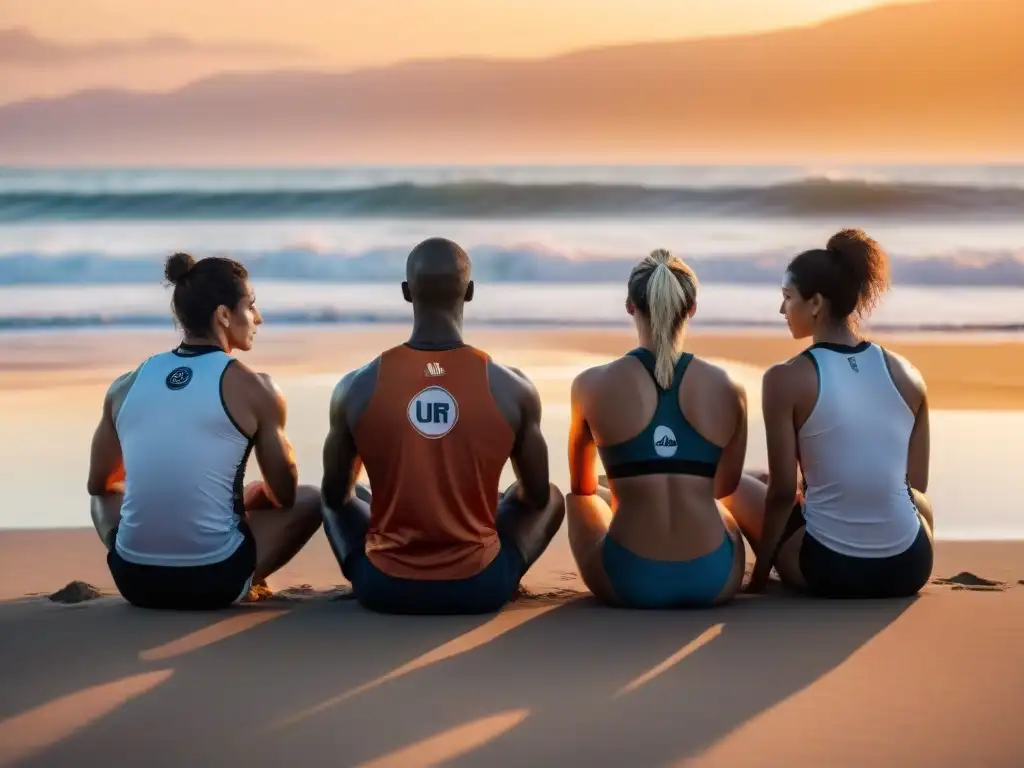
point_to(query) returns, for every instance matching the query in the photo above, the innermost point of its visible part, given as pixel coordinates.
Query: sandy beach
(317, 143)
(308, 677)
(554, 679)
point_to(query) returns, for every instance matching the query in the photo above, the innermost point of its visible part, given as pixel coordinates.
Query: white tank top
(184, 462)
(853, 453)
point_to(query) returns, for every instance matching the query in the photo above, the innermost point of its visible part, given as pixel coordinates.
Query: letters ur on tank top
(434, 443)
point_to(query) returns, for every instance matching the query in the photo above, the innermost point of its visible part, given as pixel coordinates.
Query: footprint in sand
(969, 581)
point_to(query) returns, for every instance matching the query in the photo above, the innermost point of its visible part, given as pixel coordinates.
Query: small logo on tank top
(179, 377)
(853, 364)
(433, 412)
(665, 444)
(433, 369)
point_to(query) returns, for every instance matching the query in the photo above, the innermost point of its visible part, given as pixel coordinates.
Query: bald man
(433, 421)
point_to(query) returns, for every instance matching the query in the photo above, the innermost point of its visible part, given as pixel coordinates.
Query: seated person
(434, 420)
(852, 417)
(671, 431)
(170, 453)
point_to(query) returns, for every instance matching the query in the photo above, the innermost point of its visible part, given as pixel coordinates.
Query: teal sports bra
(668, 445)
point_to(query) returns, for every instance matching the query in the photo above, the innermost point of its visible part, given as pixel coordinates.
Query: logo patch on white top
(665, 444)
(179, 377)
(433, 412)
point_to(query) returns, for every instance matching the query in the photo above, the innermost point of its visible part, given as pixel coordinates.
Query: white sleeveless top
(853, 453)
(184, 462)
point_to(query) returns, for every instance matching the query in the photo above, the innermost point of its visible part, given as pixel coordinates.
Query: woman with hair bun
(671, 431)
(853, 417)
(170, 453)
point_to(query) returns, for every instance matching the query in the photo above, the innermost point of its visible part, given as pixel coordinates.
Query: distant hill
(933, 80)
(21, 47)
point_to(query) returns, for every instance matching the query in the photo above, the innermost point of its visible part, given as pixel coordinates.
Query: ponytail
(664, 289)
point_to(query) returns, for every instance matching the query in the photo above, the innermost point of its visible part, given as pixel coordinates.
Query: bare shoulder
(784, 379)
(118, 391)
(257, 383)
(256, 391)
(119, 387)
(719, 378)
(903, 371)
(589, 382)
(353, 390)
(508, 373)
(796, 366)
(594, 376)
(508, 378)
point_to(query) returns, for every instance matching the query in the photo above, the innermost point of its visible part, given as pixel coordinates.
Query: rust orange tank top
(434, 443)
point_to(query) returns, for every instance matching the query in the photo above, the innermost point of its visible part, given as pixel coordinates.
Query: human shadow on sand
(221, 674)
(329, 683)
(604, 687)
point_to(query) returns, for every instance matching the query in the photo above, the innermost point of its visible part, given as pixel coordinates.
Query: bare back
(662, 511)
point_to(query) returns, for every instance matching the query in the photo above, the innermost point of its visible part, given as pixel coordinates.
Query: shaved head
(437, 275)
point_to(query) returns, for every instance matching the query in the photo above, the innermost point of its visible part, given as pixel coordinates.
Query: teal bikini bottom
(644, 583)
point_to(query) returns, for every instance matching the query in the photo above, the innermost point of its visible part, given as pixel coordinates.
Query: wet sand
(978, 373)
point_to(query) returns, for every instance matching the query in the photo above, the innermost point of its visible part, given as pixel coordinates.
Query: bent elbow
(726, 486)
(332, 495)
(94, 488)
(537, 498)
(284, 495)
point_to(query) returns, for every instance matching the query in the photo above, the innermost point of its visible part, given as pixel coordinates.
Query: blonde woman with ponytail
(671, 432)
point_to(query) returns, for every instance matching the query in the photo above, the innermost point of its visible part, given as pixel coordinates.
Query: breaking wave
(499, 264)
(807, 198)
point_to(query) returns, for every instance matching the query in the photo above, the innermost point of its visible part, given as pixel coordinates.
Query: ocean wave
(331, 317)
(813, 197)
(499, 265)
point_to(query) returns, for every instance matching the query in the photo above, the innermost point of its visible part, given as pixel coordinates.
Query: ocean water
(84, 247)
(721, 306)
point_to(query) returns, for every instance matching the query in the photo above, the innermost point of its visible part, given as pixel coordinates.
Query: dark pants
(186, 588)
(486, 592)
(833, 575)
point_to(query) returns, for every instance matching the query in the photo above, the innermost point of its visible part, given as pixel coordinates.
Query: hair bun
(850, 243)
(178, 266)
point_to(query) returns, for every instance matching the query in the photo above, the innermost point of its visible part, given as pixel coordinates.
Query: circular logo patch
(665, 444)
(179, 377)
(433, 412)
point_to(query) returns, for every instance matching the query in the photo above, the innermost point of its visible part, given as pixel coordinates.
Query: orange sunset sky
(347, 34)
(356, 32)
(934, 79)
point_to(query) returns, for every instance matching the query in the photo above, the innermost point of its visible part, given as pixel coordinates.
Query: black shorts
(833, 575)
(486, 592)
(186, 588)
